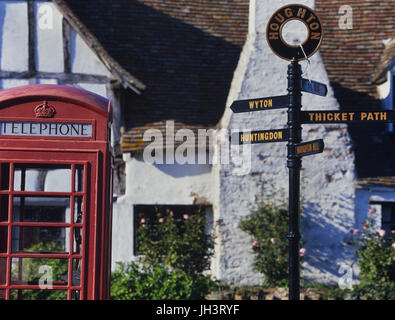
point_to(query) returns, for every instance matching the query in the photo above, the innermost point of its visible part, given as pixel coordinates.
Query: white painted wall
(12, 83)
(165, 184)
(13, 36)
(98, 88)
(328, 213)
(83, 59)
(49, 44)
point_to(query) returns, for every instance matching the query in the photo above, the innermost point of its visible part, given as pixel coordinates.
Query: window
(388, 220)
(387, 217)
(150, 214)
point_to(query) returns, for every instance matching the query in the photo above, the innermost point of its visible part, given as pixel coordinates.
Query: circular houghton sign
(294, 32)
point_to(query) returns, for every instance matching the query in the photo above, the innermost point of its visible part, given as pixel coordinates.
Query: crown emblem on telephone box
(44, 110)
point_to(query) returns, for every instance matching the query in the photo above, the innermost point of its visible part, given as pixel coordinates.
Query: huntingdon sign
(263, 136)
(292, 134)
(46, 129)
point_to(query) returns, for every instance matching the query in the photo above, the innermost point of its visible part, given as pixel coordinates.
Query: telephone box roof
(58, 92)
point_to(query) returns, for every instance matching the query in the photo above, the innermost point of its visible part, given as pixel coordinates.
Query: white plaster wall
(49, 44)
(47, 81)
(83, 59)
(13, 36)
(171, 184)
(328, 213)
(98, 88)
(12, 83)
(384, 89)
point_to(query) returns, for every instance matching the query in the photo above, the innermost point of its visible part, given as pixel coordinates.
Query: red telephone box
(55, 193)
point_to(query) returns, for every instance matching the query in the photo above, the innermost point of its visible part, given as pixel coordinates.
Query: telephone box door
(55, 194)
(44, 215)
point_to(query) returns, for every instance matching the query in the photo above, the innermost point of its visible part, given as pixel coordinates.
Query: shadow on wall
(328, 242)
(373, 144)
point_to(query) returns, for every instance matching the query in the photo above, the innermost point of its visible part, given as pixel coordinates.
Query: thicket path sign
(293, 132)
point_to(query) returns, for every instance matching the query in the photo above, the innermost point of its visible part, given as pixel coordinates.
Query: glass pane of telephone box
(4, 208)
(46, 294)
(45, 272)
(40, 239)
(50, 178)
(3, 270)
(77, 240)
(78, 209)
(3, 239)
(79, 178)
(4, 176)
(41, 209)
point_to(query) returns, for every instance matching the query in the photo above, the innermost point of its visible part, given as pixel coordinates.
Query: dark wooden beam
(32, 36)
(66, 31)
(63, 78)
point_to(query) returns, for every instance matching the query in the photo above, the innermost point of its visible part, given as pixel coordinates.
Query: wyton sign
(296, 117)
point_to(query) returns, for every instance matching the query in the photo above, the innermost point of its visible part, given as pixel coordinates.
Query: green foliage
(129, 282)
(376, 259)
(268, 225)
(173, 255)
(375, 291)
(183, 244)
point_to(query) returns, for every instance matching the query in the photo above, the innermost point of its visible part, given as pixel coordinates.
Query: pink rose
(372, 210)
(142, 220)
(364, 225)
(161, 220)
(302, 252)
(382, 233)
(186, 216)
(273, 240)
(393, 245)
(171, 213)
(255, 244)
(356, 231)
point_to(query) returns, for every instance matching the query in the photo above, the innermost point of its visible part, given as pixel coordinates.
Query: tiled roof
(351, 56)
(185, 52)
